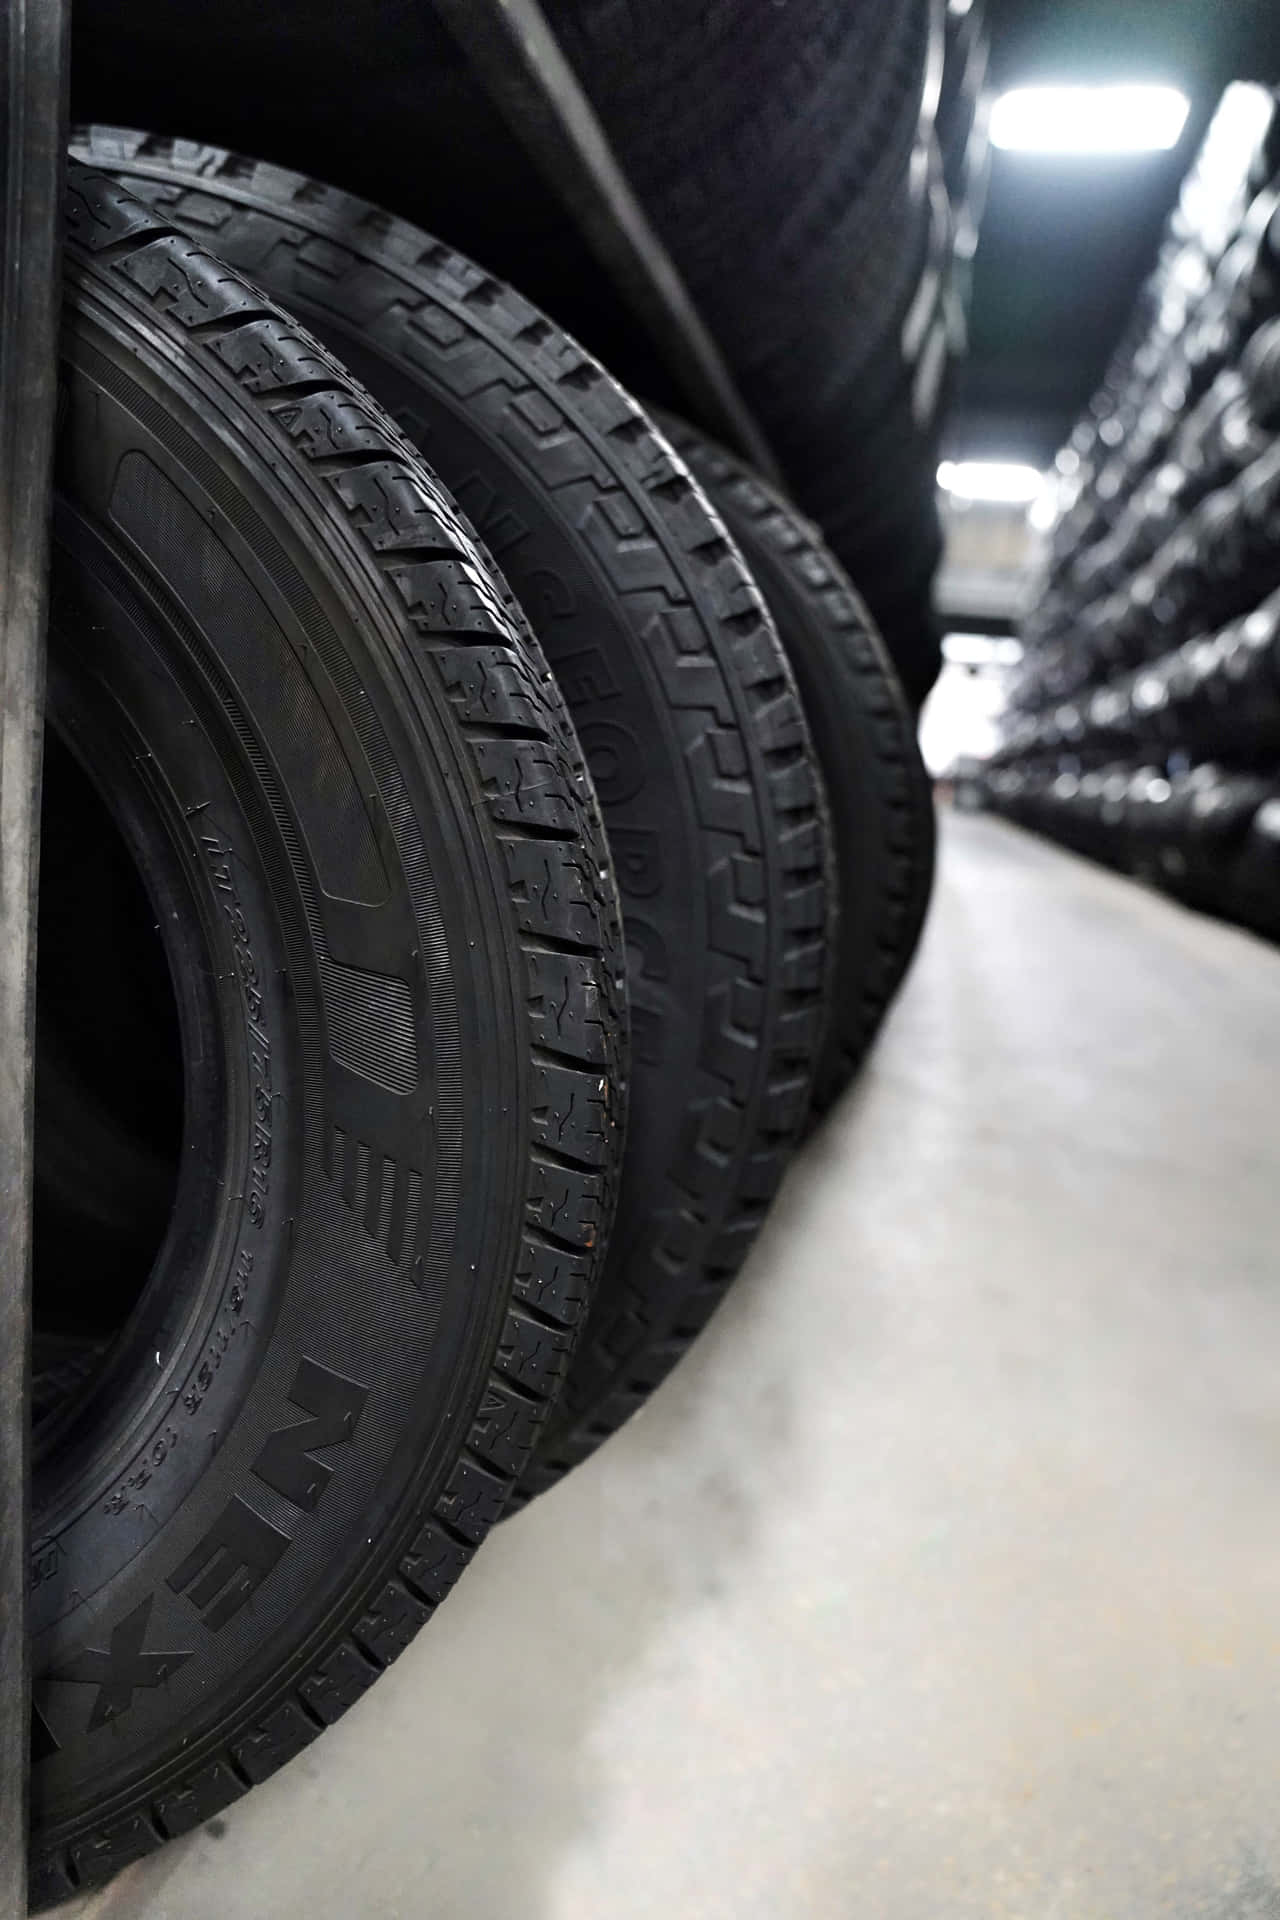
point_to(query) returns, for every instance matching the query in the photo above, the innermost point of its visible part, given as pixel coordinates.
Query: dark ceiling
(1066, 242)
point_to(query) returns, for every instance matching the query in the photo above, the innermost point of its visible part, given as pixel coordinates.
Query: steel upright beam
(32, 86)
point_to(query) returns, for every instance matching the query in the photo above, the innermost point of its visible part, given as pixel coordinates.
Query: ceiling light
(999, 482)
(981, 650)
(1089, 119)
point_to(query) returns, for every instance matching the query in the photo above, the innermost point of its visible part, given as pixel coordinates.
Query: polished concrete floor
(943, 1579)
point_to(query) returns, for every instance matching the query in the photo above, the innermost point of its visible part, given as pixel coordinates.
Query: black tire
(775, 149)
(880, 796)
(683, 700)
(349, 789)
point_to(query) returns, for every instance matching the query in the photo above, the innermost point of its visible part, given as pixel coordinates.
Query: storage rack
(1143, 726)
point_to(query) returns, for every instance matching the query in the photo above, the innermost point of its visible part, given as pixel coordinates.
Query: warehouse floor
(943, 1579)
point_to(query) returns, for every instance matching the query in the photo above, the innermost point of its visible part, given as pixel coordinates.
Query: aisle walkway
(944, 1578)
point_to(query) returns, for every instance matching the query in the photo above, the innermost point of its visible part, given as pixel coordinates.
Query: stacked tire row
(481, 831)
(1144, 724)
(818, 178)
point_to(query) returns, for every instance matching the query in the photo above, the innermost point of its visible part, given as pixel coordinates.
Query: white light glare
(1002, 483)
(981, 650)
(1089, 119)
(1043, 512)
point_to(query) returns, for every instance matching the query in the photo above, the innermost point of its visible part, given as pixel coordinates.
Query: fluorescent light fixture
(981, 650)
(1002, 483)
(1089, 119)
(1043, 512)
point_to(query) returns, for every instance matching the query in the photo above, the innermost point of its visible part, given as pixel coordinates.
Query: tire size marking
(220, 1340)
(139, 1476)
(46, 1558)
(218, 856)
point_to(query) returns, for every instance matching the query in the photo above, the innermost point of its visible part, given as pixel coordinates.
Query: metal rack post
(33, 90)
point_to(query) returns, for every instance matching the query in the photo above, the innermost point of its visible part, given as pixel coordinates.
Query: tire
(685, 706)
(879, 793)
(775, 149)
(275, 654)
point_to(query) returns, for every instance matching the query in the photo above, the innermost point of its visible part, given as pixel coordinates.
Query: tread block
(553, 1282)
(566, 1005)
(434, 1561)
(197, 1799)
(275, 1738)
(570, 1115)
(473, 1500)
(564, 1202)
(506, 1428)
(525, 784)
(554, 890)
(111, 1848)
(492, 686)
(385, 1629)
(534, 1354)
(266, 355)
(338, 1682)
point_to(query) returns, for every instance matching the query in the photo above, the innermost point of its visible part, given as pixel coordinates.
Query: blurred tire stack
(1143, 727)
